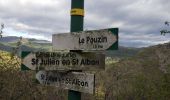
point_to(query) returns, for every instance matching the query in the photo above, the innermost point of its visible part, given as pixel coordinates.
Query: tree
(2, 27)
(164, 31)
(167, 23)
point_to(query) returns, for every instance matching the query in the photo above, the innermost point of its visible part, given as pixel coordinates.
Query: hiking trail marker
(105, 39)
(62, 61)
(78, 81)
(79, 60)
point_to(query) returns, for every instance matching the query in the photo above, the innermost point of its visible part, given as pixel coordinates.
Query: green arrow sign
(62, 61)
(83, 82)
(105, 39)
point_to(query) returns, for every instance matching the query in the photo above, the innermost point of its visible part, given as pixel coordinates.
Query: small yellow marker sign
(77, 11)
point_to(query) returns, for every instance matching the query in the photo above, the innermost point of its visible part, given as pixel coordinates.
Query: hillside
(145, 76)
(18, 85)
(123, 52)
(11, 39)
(8, 43)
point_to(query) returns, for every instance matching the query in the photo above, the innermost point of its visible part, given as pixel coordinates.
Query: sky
(139, 21)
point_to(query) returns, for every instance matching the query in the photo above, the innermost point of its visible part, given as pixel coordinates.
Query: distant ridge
(9, 39)
(6, 44)
(9, 43)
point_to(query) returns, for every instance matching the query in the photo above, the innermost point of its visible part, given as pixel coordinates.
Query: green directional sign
(105, 39)
(62, 61)
(78, 81)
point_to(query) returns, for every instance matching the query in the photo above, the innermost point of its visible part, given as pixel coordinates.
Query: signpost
(78, 81)
(75, 60)
(62, 61)
(105, 39)
(77, 19)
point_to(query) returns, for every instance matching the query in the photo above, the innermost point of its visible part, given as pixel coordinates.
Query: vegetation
(19, 85)
(144, 76)
(2, 27)
(140, 77)
(164, 31)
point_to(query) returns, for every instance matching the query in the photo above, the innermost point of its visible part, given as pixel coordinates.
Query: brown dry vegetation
(145, 76)
(20, 85)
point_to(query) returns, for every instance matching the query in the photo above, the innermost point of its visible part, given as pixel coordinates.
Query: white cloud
(138, 20)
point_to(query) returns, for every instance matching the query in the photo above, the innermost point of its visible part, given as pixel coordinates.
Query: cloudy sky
(139, 21)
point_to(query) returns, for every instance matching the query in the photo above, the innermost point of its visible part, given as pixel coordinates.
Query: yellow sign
(77, 11)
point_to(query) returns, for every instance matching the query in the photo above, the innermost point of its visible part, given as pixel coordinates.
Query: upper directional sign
(83, 82)
(62, 61)
(105, 39)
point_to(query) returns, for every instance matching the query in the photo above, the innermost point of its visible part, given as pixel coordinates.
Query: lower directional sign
(77, 81)
(62, 61)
